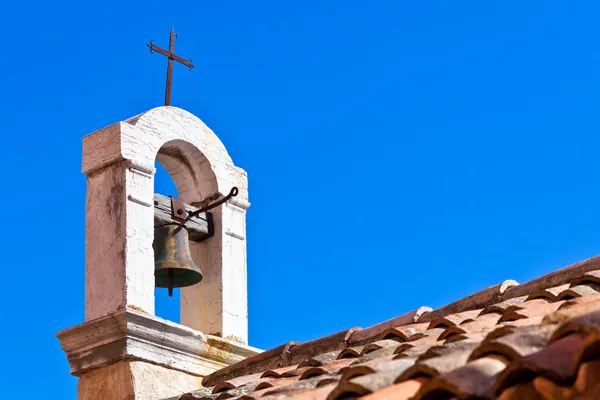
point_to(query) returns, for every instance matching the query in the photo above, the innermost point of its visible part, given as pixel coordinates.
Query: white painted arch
(119, 162)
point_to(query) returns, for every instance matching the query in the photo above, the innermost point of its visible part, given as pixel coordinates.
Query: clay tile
(326, 344)
(380, 344)
(499, 308)
(523, 391)
(506, 328)
(571, 309)
(558, 362)
(595, 298)
(550, 294)
(587, 323)
(363, 385)
(354, 369)
(204, 393)
(588, 376)
(400, 391)
(453, 319)
(304, 394)
(298, 386)
(481, 299)
(591, 394)
(463, 336)
(478, 326)
(534, 308)
(516, 345)
(384, 364)
(402, 333)
(383, 352)
(440, 361)
(409, 350)
(590, 276)
(320, 359)
(367, 335)
(276, 382)
(350, 352)
(552, 390)
(276, 373)
(325, 369)
(294, 372)
(243, 390)
(474, 380)
(556, 278)
(235, 382)
(448, 349)
(266, 360)
(577, 291)
(430, 333)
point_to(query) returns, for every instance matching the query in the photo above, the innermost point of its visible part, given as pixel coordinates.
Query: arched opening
(166, 307)
(184, 172)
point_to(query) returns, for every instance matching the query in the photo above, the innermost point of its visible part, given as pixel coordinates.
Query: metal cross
(171, 56)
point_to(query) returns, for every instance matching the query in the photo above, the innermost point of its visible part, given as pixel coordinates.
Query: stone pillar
(219, 307)
(119, 234)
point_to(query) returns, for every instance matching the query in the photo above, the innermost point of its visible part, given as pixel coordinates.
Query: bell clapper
(171, 282)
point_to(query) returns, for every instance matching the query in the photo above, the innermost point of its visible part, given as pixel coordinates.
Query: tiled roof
(538, 340)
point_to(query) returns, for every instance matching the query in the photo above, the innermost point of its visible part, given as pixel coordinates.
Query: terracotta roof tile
(549, 294)
(327, 344)
(516, 345)
(528, 309)
(591, 394)
(503, 305)
(363, 385)
(523, 391)
(320, 359)
(367, 335)
(325, 369)
(403, 333)
(588, 376)
(236, 382)
(260, 362)
(538, 340)
(551, 390)
(453, 319)
(351, 352)
(480, 325)
(477, 300)
(475, 379)
(276, 382)
(400, 391)
(557, 361)
(276, 373)
(383, 364)
(577, 291)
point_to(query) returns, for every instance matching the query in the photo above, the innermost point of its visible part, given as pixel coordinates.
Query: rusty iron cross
(171, 56)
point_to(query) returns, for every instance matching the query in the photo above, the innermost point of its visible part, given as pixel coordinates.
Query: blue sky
(399, 153)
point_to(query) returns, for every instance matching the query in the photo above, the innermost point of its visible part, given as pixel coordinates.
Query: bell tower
(199, 245)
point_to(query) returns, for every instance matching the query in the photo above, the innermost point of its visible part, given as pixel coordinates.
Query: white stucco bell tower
(121, 330)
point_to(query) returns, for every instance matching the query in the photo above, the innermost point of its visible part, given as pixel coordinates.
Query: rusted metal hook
(191, 66)
(150, 46)
(232, 193)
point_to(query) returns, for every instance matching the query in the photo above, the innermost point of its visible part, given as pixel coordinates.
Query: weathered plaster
(128, 380)
(119, 161)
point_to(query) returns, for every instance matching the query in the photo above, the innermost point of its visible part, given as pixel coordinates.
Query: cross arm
(166, 53)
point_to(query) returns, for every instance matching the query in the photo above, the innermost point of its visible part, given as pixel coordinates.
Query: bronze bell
(173, 264)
